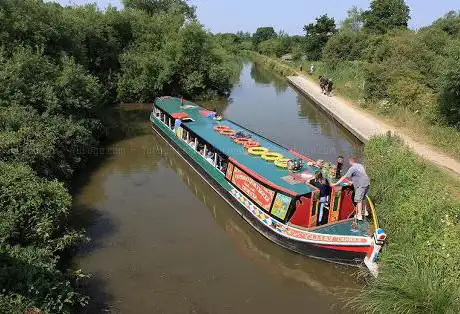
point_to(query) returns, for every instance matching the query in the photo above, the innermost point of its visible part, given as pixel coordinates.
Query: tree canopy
(262, 34)
(161, 6)
(317, 34)
(385, 15)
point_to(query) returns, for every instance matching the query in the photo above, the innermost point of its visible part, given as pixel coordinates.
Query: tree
(271, 47)
(354, 20)
(317, 34)
(385, 15)
(159, 6)
(262, 34)
(189, 63)
(449, 23)
(60, 70)
(243, 35)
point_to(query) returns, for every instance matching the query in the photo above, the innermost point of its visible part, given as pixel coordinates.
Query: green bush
(450, 88)
(410, 94)
(33, 211)
(271, 47)
(345, 45)
(376, 82)
(187, 64)
(30, 278)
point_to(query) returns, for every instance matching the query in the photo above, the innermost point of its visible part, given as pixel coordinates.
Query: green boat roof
(204, 127)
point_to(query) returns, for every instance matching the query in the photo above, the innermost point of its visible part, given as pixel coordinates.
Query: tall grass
(410, 284)
(419, 207)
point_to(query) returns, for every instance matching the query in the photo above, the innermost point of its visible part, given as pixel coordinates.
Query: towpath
(364, 126)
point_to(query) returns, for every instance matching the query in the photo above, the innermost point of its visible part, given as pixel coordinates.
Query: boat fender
(251, 143)
(373, 254)
(219, 128)
(257, 150)
(227, 132)
(241, 141)
(282, 163)
(271, 156)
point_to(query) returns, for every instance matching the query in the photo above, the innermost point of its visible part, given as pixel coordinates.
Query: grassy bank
(270, 63)
(348, 80)
(419, 208)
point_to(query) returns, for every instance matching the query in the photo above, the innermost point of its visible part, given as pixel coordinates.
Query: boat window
(200, 148)
(210, 155)
(156, 111)
(192, 140)
(185, 120)
(222, 163)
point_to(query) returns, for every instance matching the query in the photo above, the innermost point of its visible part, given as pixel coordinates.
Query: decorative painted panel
(256, 191)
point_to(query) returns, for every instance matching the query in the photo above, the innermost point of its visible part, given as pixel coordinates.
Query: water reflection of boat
(265, 183)
(311, 273)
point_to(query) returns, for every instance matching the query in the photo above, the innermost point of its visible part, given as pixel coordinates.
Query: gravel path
(364, 126)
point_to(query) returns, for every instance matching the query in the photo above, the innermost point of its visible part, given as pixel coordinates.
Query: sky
(221, 16)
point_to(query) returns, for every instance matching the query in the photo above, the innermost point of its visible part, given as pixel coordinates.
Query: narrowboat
(270, 186)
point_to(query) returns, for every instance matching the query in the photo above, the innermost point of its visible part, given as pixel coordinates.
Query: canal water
(164, 242)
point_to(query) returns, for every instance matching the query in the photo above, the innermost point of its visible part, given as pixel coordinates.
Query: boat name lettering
(260, 194)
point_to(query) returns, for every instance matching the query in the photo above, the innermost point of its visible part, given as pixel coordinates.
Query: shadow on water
(125, 145)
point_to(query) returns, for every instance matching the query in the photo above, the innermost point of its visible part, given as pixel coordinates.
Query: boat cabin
(288, 206)
(287, 196)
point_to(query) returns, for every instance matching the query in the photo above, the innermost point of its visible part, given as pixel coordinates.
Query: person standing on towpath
(329, 87)
(358, 176)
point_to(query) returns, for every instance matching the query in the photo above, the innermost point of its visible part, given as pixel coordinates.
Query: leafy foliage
(345, 45)
(263, 34)
(317, 34)
(354, 20)
(450, 86)
(385, 15)
(190, 62)
(30, 278)
(158, 6)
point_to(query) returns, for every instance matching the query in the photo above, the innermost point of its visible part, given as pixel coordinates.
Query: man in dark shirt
(324, 195)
